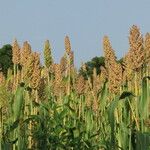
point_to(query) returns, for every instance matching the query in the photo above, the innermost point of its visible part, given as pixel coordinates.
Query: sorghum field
(53, 107)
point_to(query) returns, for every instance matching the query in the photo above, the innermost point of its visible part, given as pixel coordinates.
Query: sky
(84, 21)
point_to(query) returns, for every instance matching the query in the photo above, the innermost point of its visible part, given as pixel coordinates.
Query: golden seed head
(36, 57)
(115, 78)
(110, 58)
(87, 86)
(71, 57)
(57, 73)
(67, 45)
(134, 35)
(108, 51)
(44, 72)
(2, 78)
(41, 89)
(48, 60)
(113, 68)
(104, 74)
(96, 82)
(35, 79)
(147, 47)
(36, 74)
(63, 65)
(136, 48)
(25, 53)
(80, 85)
(28, 68)
(128, 71)
(57, 83)
(16, 52)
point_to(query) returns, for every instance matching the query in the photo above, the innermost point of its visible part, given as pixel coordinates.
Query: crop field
(53, 107)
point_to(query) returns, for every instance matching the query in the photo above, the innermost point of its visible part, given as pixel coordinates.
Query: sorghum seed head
(67, 45)
(16, 52)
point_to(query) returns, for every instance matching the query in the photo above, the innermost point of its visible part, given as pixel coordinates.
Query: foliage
(6, 58)
(95, 62)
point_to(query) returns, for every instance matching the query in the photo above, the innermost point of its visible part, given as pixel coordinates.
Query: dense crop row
(54, 107)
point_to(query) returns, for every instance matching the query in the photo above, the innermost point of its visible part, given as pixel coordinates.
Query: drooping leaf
(126, 94)
(18, 103)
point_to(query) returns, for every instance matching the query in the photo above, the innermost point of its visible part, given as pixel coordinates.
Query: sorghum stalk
(67, 45)
(137, 51)
(63, 65)
(25, 56)
(48, 60)
(68, 50)
(15, 59)
(113, 68)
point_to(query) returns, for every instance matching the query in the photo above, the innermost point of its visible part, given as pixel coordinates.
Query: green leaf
(111, 119)
(144, 100)
(18, 103)
(143, 141)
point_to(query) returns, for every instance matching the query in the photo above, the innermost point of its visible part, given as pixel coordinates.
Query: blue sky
(85, 21)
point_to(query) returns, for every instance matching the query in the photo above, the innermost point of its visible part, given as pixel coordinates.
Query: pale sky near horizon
(85, 21)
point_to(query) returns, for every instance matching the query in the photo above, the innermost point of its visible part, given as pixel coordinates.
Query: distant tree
(6, 58)
(95, 62)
